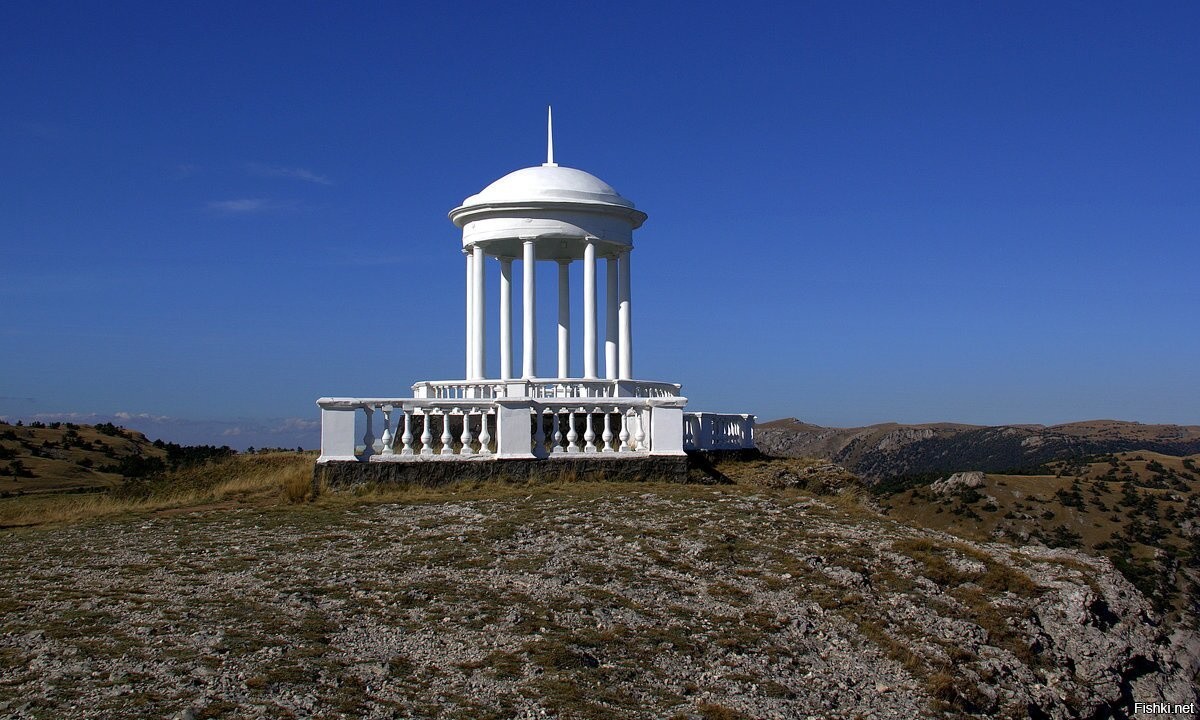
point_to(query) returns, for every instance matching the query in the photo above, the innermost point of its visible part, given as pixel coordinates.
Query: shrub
(299, 488)
(17, 469)
(107, 428)
(1063, 537)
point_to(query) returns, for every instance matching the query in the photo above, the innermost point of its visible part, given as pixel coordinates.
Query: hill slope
(65, 457)
(891, 450)
(42, 459)
(1140, 509)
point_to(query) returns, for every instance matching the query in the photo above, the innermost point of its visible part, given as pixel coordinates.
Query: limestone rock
(958, 482)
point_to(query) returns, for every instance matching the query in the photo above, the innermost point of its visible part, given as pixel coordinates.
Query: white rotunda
(591, 407)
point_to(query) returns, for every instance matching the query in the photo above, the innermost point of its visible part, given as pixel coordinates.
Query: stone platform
(437, 473)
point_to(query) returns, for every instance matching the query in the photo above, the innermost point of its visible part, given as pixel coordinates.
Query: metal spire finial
(550, 138)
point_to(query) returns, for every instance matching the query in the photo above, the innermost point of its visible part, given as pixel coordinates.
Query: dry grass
(257, 479)
(280, 479)
(275, 479)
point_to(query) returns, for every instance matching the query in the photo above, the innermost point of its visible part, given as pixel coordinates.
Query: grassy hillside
(889, 451)
(65, 472)
(62, 457)
(1139, 508)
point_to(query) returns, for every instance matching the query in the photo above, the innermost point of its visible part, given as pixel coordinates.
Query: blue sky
(214, 213)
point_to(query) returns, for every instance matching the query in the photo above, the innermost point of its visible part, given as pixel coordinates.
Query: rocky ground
(587, 601)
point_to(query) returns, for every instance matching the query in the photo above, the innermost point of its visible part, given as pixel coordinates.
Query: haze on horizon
(984, 214)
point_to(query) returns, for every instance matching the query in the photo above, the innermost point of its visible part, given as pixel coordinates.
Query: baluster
(557, 436)
(407, 437)
(624, 434)
(608, 434)
(426, 434)
(639, 437)
(387, 437)
(485, 437)
(539, 434)
(369, 436)
(447, 437)
(572, 436)
(589, 435)
(466, 434)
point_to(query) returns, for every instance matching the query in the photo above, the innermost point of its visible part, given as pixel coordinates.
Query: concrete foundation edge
(338, 475)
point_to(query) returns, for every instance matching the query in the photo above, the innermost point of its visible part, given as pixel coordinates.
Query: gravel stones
(674, 601)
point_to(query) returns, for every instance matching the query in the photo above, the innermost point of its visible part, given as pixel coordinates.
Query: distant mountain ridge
(890, 450)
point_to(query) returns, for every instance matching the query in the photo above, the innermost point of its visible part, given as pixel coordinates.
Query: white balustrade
(407, 438)
(387, 436)
(369, 436)
(542, 388)
(715, 431)
(466, 436)
(556, 426)
(557, 436)
(447, 436)
(589, 435)
(572, 436)
(485, 438)
(426, 435)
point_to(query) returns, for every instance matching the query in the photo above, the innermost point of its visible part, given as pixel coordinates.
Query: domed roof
(548, 183)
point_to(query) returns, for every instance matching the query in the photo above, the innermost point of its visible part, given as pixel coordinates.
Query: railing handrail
(353, 403)
(705, 413)
(534, 387)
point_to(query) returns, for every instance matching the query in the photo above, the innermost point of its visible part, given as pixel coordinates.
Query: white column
(625, 320)
(506, 353)
(610, 318)
(589, 309)
(564, 318)
(470, 327)
(529, 329)
(478, 343)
